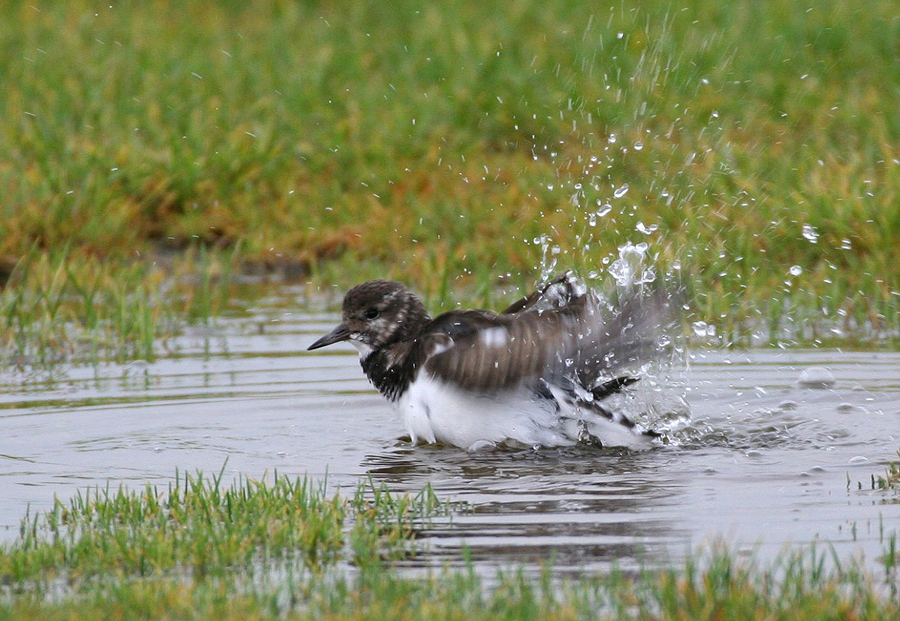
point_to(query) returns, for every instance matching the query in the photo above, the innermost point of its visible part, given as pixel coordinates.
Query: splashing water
(549, 256)
(631, 268)
(703, 329)
(646, 229)
(810, 233)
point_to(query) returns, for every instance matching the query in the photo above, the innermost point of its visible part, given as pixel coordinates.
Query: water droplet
(621, 191)
(646, 230)
(638, 145)
(604, 209)
(810, 233)
(816, 377)
(700, 328)
(796, 270)
(629, 268)
(612, 139)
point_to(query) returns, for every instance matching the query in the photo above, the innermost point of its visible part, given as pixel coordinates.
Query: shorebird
(535, 374)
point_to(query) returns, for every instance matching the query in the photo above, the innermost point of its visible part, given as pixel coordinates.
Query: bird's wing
(555, 294)
(487, 352)
(580, 341)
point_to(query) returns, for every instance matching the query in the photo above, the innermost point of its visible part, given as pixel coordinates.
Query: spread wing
(573, 336)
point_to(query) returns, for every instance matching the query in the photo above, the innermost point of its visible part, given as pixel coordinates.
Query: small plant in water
(891, 478)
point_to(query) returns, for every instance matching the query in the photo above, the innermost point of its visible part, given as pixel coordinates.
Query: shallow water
(764, 464)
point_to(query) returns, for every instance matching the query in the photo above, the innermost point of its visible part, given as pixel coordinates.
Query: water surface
(765, 463)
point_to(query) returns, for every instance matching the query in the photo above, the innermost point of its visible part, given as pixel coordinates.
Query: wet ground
(775, 454)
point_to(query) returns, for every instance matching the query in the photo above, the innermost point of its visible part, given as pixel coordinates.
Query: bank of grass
(287, 549)
(453, 143)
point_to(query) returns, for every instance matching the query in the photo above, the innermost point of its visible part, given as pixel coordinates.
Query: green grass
(891, 478)
(438, 143)
(62, 307)
(204, 529)
(284, 549)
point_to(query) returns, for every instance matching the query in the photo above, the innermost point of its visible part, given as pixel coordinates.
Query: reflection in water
(572, 507)
(765, 461)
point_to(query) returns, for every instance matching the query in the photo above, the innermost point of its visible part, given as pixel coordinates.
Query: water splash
(645, 229)
(549, 256)
(703, 329)
(632, 267)
(810, 233)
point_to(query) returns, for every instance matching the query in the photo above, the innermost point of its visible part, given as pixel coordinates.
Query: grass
(450, 145)
(891, 478)
(202, 529)
(287, 549)
(56, 308)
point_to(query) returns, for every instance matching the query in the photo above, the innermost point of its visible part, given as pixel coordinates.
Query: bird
(533, 375)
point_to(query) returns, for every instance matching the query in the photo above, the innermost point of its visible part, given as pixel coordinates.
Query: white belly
(433, 411)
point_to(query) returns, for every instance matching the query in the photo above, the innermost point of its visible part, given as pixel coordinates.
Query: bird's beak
(340, 333)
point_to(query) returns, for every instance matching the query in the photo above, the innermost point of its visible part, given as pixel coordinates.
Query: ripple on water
(761, 459)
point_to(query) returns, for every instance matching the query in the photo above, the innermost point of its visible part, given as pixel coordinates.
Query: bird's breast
(436, 411)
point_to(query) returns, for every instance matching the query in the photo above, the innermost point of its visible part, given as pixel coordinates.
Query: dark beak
(340, 333)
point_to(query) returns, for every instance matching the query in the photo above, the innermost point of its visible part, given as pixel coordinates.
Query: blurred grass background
(754, 145)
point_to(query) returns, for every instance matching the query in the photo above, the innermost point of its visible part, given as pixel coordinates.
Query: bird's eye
(372, 313)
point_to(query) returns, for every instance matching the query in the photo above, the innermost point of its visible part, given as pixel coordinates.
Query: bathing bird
(536, 374)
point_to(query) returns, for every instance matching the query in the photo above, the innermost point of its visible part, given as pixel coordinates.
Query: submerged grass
(283, 550)
(751, 144)
(891, 478)
(62, 307)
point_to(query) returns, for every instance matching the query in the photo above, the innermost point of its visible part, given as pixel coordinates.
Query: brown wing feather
(500, 355)
(579, 341)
